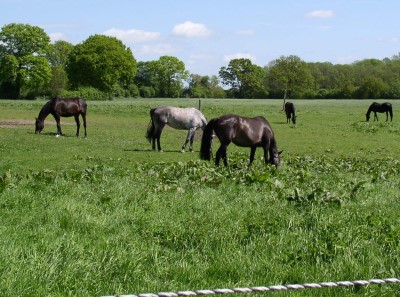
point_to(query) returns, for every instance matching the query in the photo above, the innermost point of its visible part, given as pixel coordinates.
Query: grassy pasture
(105, 215)
(116, 131)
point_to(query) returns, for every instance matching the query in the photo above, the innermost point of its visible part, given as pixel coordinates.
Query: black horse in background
(242, 131)
(376, 107)
(59, 107)
(290, 111)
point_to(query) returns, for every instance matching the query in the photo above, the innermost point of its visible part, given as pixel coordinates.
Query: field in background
(105, 215)
(117, 129)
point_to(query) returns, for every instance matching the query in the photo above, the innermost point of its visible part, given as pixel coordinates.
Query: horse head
(39, 125)
(275, 158)
(367, 117)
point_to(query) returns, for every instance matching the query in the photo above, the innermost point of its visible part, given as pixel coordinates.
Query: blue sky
(206, 34)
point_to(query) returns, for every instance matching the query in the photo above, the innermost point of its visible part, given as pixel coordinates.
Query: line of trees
(102, 67)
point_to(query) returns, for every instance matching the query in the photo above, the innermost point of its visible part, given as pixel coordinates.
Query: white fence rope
(267, 289)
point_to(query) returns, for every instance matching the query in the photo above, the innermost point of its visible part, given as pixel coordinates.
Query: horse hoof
(182, 151)
(58, 135)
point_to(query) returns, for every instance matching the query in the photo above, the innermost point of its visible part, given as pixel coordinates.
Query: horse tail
(391, 112)
(82, 105)
(206, 140)
(150, 128)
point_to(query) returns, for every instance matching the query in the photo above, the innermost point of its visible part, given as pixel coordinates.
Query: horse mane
(371, 107)
(45, 110)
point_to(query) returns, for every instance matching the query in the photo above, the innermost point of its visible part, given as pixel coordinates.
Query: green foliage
(24, 69)
(204, 87)
(290, 76)
(372, 88)
(101, 62)
(58, 58)
(87, 93)
(245, 79)
(169, 226)
(147, 92)
(105, 215)
(161, 78)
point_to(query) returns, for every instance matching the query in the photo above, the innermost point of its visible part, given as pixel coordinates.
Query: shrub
(147, 92)
(88, 93)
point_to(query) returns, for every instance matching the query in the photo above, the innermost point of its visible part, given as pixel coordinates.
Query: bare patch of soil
(19, 123)
(15, 123)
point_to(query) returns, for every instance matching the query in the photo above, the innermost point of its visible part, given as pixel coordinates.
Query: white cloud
(57, 36)
(159, 49)
(132, 35)
(345, 59)
(201, 58)
(190, 29)
(228, 58)
(321, 14)
(245, 32)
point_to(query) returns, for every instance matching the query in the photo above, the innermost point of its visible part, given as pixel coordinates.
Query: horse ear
(279, 153)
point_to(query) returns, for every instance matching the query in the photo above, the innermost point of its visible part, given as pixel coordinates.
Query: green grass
(105, 215)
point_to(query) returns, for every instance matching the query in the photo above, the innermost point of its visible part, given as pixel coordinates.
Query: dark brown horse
(376, 107)
(290, 111)
(244, 132)
(59, 107)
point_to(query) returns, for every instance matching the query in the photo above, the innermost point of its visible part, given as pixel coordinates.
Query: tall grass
(104, 215)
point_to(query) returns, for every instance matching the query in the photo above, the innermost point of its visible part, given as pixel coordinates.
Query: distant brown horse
(376, 107)
(242, 131)
(59, 107)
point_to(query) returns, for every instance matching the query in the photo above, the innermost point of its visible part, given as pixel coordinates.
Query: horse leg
(84, 123)
(188, 137)
(192, 139)
(78, 125)
(59, 132)
(218, 155)
(252, 153)
(375, 116)
(224, 157)
(387, 116)
(221, 153)
(158, 144)
(157, 136)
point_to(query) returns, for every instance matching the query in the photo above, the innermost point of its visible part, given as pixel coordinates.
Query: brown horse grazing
(376, 107)
(66, 107)
(290, 111)
(244, 132)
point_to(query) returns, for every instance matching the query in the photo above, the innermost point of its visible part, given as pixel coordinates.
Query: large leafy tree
(204, 87)
(245, 79)
(102, 62)
(170, 74)
(24, 69)
(289, 75)
(58, 58)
